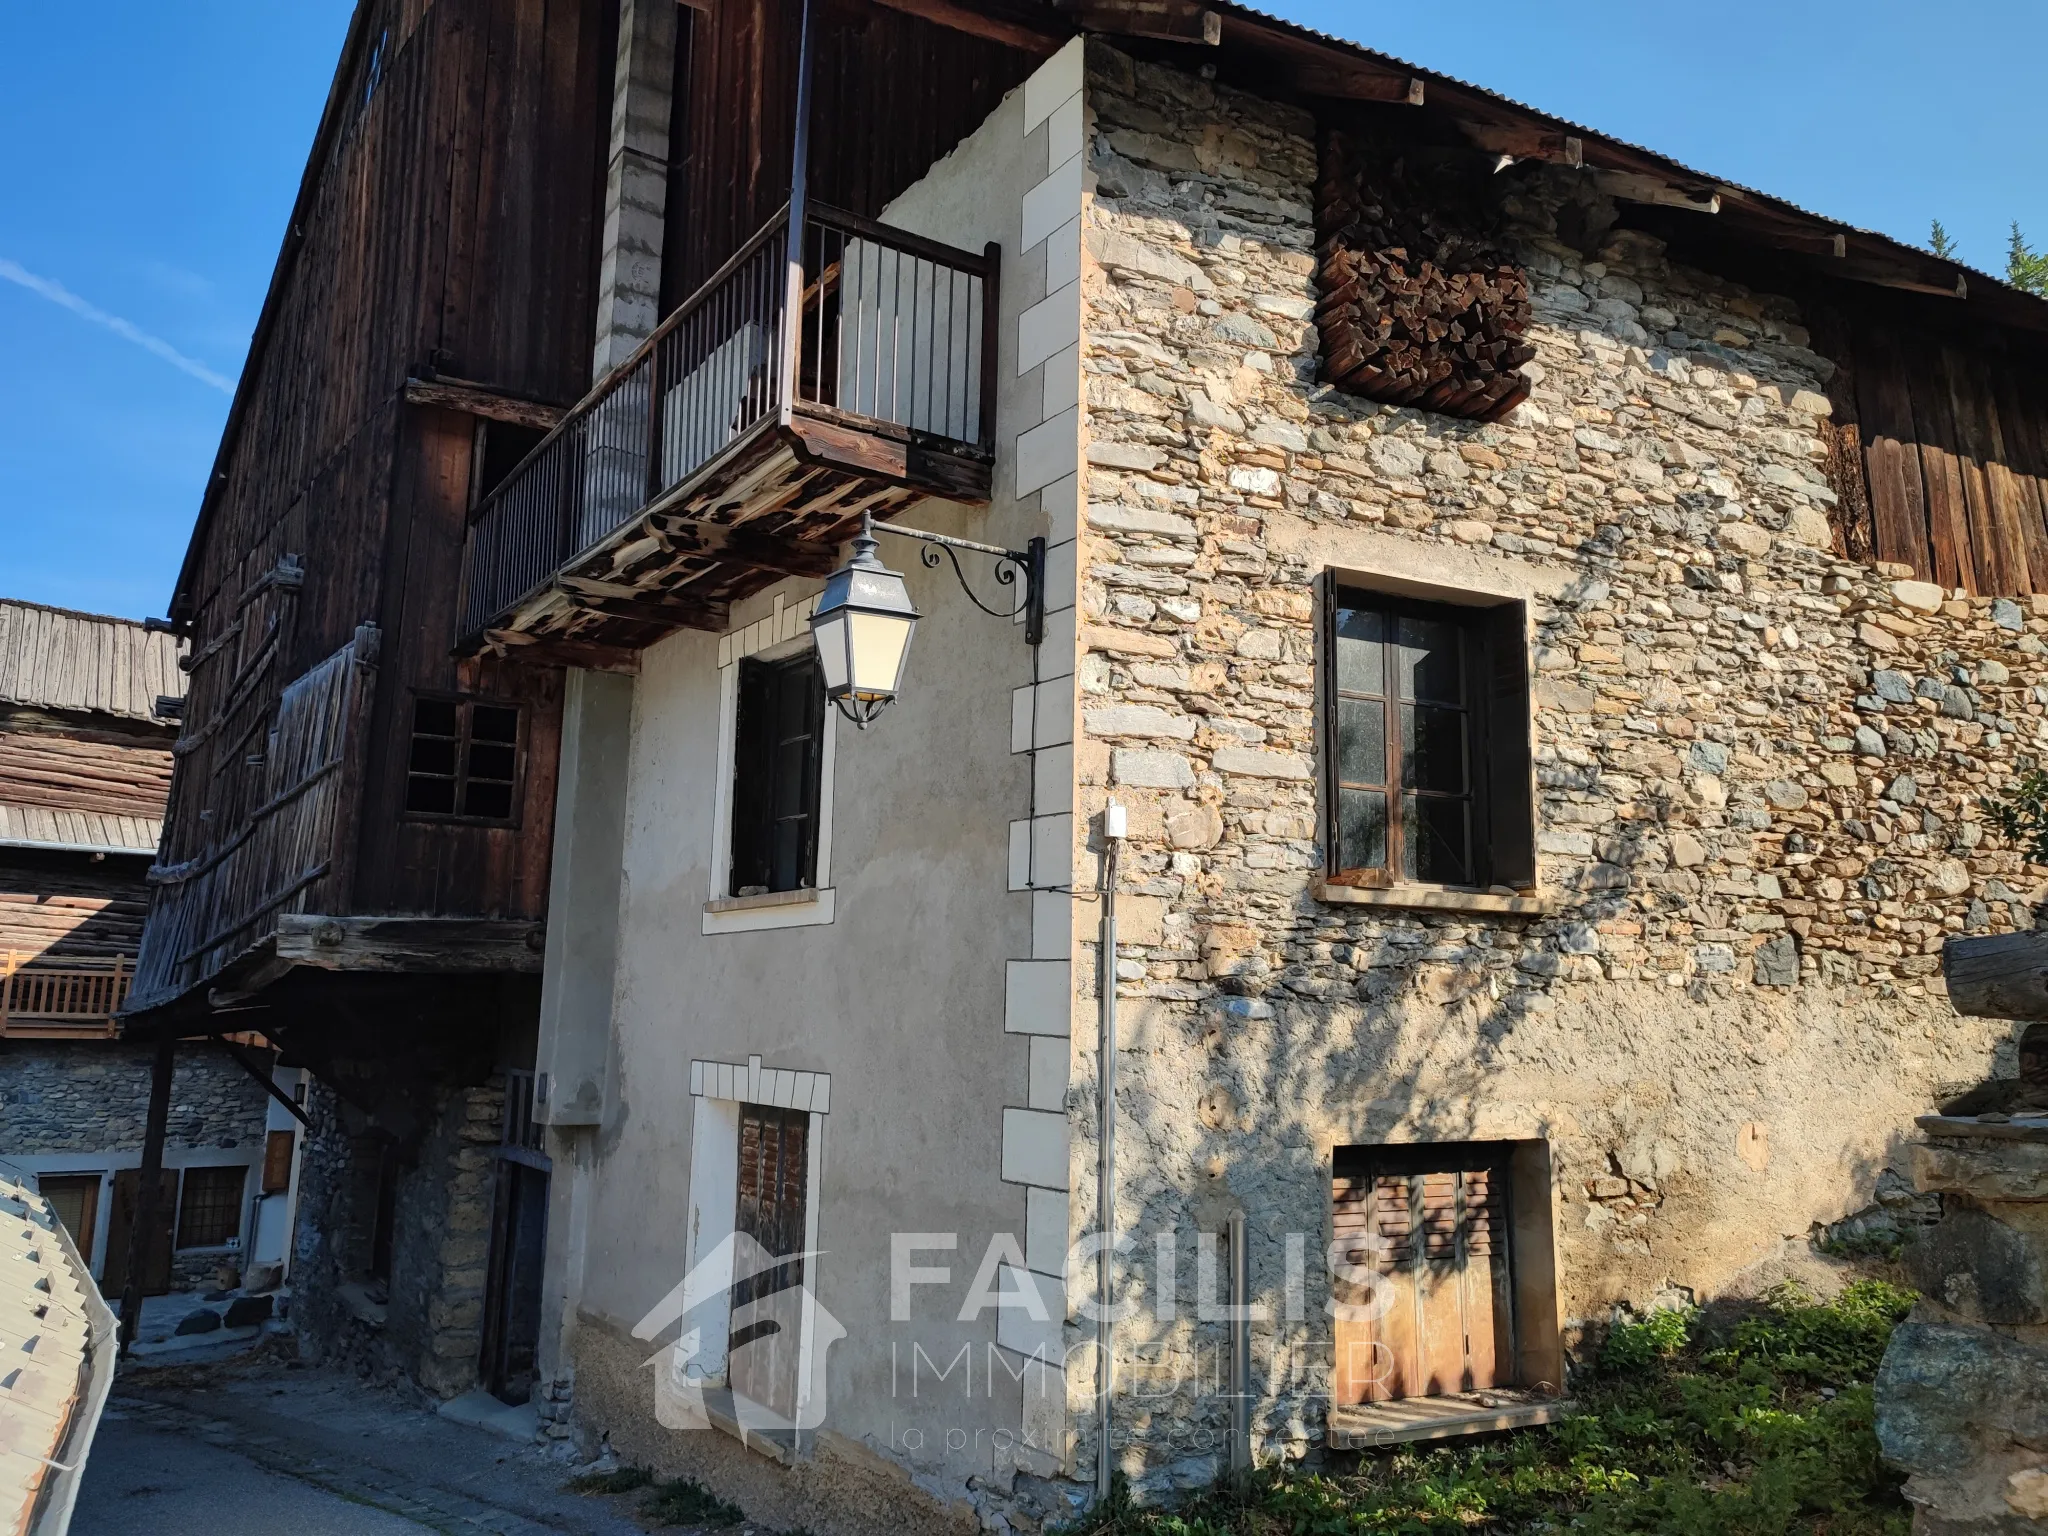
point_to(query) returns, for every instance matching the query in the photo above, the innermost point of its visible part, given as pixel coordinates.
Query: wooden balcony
(62, 999)
(795, 391)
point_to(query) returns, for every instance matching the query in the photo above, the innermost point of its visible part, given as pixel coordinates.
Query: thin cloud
(57, 293)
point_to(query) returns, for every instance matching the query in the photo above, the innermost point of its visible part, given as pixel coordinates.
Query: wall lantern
(864, 618)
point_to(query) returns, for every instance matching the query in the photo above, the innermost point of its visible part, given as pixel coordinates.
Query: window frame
(1499, 787)
(755, 786)
(464, 704)
(233, 1239)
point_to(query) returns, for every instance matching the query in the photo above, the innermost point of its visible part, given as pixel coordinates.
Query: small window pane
(433, 717)
(210, 1206)
(493, 722)
(1433, 749)
(1361, 741)
(430, 754)
(430, 797)
(1436, 843)
(1361, 654)
(1428, 660)
(1361, 829)
(487, 760)
(491, 801)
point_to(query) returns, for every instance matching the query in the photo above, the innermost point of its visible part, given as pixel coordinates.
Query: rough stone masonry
(1759, 765)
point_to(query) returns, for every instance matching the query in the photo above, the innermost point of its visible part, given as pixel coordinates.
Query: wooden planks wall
(453, 227)
(1941, 448)
(65, 905)
(890, 94)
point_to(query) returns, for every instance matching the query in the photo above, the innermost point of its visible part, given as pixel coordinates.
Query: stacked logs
(1419, 307)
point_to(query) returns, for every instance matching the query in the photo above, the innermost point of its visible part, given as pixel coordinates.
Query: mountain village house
(1503, 634)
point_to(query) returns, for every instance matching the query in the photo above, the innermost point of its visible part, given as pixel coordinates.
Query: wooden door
(156, 1268)
(75, 1197)
(767, 1305)
(1427, 1304)
(511, 1334)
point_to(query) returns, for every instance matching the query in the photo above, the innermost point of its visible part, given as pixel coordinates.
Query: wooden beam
(995, 29)
(641, 605)
(2001, 977)
(1526, 143)
(1358, 82)
(479, 400)
(410, 945)
(1170, 21)
(1632, 188)
(257, 1070)
(737, 547)
(515, 645)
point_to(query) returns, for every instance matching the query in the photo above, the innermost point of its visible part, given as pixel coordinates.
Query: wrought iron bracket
(1029, 562)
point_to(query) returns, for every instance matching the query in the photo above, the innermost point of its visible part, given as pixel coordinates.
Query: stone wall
(1758, 765)
(93, 1096)
(425, 1323)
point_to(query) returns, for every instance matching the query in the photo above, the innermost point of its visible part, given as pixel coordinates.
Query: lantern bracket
(1029, 562)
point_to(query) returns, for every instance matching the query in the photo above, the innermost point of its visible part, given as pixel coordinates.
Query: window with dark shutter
(1426, 725)
(1426, 1294)
(777, 763)
(464, 760)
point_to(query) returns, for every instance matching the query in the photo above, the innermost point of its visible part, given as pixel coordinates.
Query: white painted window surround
(784, 632)
(718, 1089)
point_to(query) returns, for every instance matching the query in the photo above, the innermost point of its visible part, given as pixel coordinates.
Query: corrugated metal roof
(56, 1361)
(40, 826)
(53, 658)
(1566, 125)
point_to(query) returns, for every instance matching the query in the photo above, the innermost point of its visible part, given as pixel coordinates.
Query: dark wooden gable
(449, 224)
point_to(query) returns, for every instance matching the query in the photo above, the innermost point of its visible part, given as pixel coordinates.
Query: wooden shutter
(1510, 815)
(277, 1163)
(1435, 1315)
(767, 1308)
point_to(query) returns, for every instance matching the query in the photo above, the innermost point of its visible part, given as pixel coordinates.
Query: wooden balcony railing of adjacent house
(67, 998)
(744, 438)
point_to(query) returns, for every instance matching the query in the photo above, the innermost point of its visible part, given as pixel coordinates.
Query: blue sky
(152, 157)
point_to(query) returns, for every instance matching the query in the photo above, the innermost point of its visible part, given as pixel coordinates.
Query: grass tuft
(1758, 1427)
(618, 1480)
(685, 1501)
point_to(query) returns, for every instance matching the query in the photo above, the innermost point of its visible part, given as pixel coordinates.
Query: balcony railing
(62, 999)
(888, 338)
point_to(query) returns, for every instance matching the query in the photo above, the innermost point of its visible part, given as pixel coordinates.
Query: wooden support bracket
(641, 605)
(1359, 82)
(1525, 143)
(482, 400)
(1629, 187)
(737, 547)
(1171, 21)
(516, 645)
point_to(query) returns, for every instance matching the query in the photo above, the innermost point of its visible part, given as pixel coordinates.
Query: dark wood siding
(890, 95)
(450, 224)
(1938, 457)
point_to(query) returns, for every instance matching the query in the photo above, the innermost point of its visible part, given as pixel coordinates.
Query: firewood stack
(1419, 307)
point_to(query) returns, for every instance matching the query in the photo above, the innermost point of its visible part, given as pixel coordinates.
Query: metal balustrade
(888, 334)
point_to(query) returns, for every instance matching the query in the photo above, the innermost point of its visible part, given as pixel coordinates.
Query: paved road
(253, 1449)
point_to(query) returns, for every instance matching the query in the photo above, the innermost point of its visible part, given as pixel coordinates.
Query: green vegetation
(2024, 266)
(618, 1480)
(2021, 814)
(1940, 244)
(685, 1501)
(1689, 1425)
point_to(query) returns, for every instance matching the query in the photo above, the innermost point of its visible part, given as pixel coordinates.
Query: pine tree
(2025, 267)
(1940, 243)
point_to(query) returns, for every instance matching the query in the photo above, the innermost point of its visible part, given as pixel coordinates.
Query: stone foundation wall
(425, 1323)
(1758, 765)
(93, 1096)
